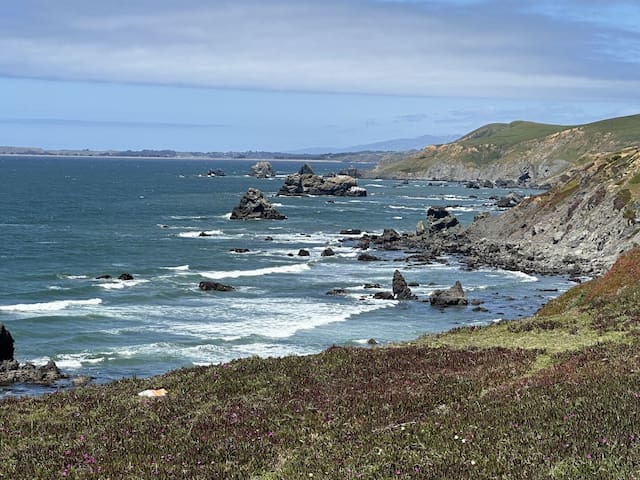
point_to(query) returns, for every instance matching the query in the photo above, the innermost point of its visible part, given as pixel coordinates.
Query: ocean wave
(374, 185)
(49, 306)
(298, 268)
(179, 268)
(523, 277)
(119, 284)
(73, 277)
(197, 234)
(404, 207)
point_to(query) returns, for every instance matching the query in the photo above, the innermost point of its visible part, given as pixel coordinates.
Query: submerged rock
(254, 205)
(125, 276)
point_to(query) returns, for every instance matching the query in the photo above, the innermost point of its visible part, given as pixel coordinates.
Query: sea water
(67, 221)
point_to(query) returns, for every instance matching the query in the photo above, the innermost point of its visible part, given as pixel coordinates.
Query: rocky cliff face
(580, 226)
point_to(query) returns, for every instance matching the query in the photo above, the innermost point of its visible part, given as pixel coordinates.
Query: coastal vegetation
(552, 396)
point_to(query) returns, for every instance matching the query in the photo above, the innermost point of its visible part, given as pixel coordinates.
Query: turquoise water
(66, 221)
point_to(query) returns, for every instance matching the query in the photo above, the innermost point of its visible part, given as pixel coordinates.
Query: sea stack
(254, 205)
(262, 169)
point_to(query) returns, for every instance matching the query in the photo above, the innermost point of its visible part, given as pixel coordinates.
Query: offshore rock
(305, 182)
(253, 205)
(510, 200)
(125, 276)
(214, 286)
(439, 219)
(401, 290)
(451, 296)
(262, 169)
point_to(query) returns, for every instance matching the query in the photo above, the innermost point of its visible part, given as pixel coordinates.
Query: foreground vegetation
(553, 396)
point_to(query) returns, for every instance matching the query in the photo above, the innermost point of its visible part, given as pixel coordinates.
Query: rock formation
(451, 296)
(262, 169)
(254, 205)
(401, 290)
(6, 344)
(305, 182)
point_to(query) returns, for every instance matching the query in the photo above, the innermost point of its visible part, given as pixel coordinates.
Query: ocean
(67, 221)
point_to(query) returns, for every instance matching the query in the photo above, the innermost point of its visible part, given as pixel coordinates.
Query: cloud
(469, 48)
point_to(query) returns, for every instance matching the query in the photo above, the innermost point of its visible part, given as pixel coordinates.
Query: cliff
(509, 151)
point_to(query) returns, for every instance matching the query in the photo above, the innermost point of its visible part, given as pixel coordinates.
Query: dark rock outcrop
(439, 219)
(254, 205)
(451, 296)
(239, 250)
(125, 276)
(327, 252)
(401, 290)
(215, 172)
(262, 169)
(351, 231)
(305, 182)
(6, 344)
(303, 253)
(510, 200)
(12, 372)
(214, 286)
(337, 291)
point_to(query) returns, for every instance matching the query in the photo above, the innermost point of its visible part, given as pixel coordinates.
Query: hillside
(579, 226)
(551, 396)
(507, 151)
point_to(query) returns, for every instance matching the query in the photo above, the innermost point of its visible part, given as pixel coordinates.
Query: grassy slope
(501, 142)
(553, 396)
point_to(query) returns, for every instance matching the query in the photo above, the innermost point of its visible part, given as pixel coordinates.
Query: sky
(282, 75)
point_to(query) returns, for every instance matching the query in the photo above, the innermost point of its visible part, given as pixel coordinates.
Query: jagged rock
(351, 171)
(239, 250)
(372, 285)
(472, 184)
(254, 205)
(125, 276)
(365, 257)
(12, 372)
(214, 286)
(351, 231)
(439, 219)
(372, 341)
(305, 182)
(451, 296)
(262, 169)
(103, 277)
(389, 235)
(327, 252)
(303, 253)
(420, 228)
(363, 243)
(6, 344)
(204, 234)
(510, 200)
(401, 290)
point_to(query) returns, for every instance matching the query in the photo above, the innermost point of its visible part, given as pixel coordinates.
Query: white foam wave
(523, 277)
(179, 268)
(396, 218)
(226, 216)
(298, 268)
(461, 209)
(404, 207)
(187, 217)
(275, 318)
(374, 185)
(49, 306)
(74, 277)
(198, 233)
(119, 284)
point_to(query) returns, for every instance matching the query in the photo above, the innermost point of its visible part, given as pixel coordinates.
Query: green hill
(507, 150)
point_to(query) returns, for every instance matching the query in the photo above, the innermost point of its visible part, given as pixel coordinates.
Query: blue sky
(221, 75)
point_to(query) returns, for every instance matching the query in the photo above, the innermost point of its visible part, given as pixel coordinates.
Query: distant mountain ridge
(508, 150)
(394, 145)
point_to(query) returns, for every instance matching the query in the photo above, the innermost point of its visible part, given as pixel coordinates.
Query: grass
(552, 396)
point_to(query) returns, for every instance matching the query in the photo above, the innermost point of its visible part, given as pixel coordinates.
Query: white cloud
(399, 48)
